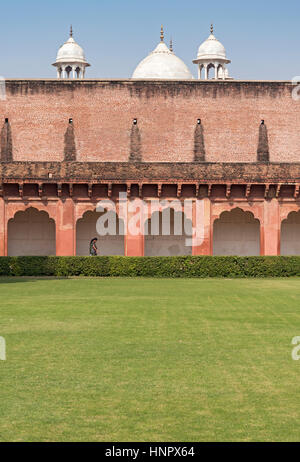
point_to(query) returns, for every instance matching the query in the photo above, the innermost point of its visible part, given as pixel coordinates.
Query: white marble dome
(162, 63)
(211, 48)
(70, 61)
(70, 51)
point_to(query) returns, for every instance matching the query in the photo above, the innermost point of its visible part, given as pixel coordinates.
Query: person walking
(93, 247)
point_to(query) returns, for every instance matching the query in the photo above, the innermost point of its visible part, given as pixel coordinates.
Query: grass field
(149, 360)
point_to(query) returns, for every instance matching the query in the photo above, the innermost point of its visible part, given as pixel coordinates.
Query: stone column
(134, 228)
(216, 71)
(205, 72)
(199, 71)
(270, 229)
(65, 228)
(3, 228)
(202, 243)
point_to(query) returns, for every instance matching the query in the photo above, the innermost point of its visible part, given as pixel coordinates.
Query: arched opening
(68, 71)
(77, 70)
(211, 71)
(290, 235)
(168, 233)
(220, 72)
(201, 68)
(86, 230)
(236, 233)
(31, 232)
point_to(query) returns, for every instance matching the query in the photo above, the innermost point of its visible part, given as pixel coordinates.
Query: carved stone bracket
(59, 189)
(267, 187)
(21, 189)
(248, 190)
(228, 190)
(159, 188)
(41, 189)
(278, 190)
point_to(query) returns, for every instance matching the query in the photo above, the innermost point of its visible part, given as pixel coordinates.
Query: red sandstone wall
(167, 112)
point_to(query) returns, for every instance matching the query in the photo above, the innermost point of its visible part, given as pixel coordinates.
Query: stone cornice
(100, 172)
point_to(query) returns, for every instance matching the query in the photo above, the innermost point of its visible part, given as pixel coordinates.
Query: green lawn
(149, 360)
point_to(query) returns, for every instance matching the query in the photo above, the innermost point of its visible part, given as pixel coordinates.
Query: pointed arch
(86, 229)
(290, 234)
(166, 233)
(31, 232)
(236, 232)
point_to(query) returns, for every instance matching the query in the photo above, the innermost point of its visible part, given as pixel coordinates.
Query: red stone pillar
(3, 227)
(270, 229)
(65, 228)
(134, 238)
(202, 244)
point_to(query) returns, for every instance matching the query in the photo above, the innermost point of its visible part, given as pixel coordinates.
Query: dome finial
(212, 29)
(162, 34)
(71, 31)
(171, 45)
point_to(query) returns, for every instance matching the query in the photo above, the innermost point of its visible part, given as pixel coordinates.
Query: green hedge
(171, 267)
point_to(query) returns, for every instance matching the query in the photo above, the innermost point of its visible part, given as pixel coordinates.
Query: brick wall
(167, 113)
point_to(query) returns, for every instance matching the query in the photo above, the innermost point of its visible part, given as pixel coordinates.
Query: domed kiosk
(70, 61)
(212, 55)
(162, 63)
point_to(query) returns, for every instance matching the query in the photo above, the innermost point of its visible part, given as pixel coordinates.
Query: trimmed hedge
(170, 267)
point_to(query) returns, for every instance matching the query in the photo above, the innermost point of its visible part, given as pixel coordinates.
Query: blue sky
(261, 37)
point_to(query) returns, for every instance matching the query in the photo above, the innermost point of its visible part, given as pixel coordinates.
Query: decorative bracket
(140, 189)
(59, 189)
(267, 187)
(40, 186)
(109, 189)
(159, 188)
(248, 190)
(278, 190)
(21, 189)
(179, 189)
(228, 190)
(296, 193)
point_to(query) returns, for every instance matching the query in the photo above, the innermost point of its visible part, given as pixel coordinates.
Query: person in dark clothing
(93, 247)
